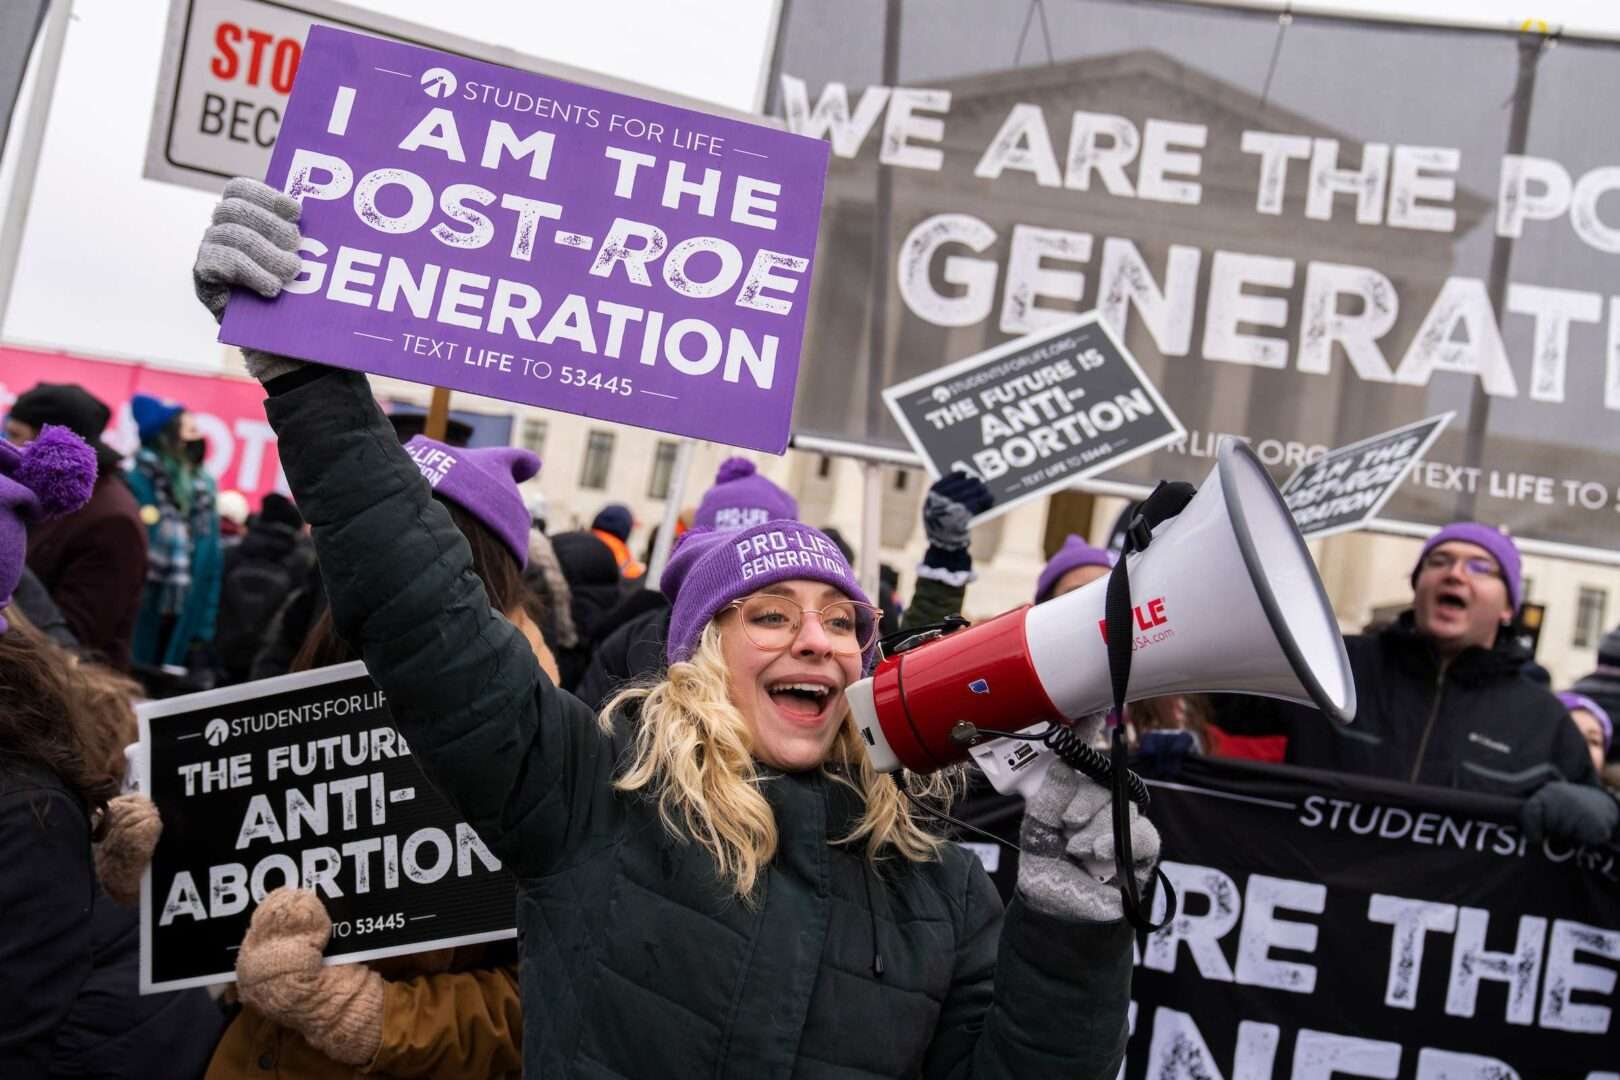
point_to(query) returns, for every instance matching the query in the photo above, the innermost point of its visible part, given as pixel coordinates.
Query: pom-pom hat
(710, 569)
(741, 499)
(484, 482)
(51, 476)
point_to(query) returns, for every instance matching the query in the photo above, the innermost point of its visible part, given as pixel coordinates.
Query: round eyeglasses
(773, 622)
(1476, 566)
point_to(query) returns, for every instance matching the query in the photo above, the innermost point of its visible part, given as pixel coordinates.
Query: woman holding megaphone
(713, 880)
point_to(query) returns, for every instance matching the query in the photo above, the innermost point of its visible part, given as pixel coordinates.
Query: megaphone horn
(1225, 600)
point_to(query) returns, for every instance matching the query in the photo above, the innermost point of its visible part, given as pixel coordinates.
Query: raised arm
(523, 762)
(947, 565)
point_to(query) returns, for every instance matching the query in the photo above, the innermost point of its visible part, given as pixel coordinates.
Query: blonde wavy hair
(693, 751)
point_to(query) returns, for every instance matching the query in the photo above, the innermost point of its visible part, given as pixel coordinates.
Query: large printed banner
(241, 444)
(1337, 927)
(491, 230)
(1306, 235)
(302, 781)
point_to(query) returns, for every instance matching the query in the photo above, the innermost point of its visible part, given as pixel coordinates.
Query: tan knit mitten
(125, 850)
(337, 1009)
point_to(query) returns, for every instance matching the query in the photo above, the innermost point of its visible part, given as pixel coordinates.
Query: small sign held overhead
(1036, 414)
(486, 229)
(1345, 488)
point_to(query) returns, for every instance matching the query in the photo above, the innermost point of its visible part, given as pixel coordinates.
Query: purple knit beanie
(1573, 701)
(741, 499)
(51, 476)
(1074, 554)
(709, 570)
(1498, 543)
(483, 482)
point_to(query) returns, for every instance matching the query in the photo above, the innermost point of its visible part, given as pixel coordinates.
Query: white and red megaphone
(1225, 600)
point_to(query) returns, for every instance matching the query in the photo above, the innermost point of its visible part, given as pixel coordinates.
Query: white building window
(1591, 608)
(533, 434)
(663, 467)
(593, 472)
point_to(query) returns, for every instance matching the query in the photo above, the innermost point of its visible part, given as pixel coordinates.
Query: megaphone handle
(1024, 779)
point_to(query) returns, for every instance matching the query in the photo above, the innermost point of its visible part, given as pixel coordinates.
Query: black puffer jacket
(114, 1032)
(1476, 723)
(46, 888)
(260, 574)
(595, 589)
(637, 960)
(631, 652)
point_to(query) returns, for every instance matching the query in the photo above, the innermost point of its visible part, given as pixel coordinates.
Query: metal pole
(882, 209)
(672, 511)
(765, 94)
(871, 532)
(30, 138)
(1479, 405)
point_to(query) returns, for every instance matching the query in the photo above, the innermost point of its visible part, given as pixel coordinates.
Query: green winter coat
(637, 961)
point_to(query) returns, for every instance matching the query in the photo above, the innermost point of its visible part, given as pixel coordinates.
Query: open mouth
(804, 700)
(1451, 602)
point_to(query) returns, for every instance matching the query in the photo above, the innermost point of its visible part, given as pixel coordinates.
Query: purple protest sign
(491, 230)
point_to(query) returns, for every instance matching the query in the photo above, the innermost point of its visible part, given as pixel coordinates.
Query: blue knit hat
(1495, 541)
(709, 570)
(614, 519)
(153, 414)
(484, 482)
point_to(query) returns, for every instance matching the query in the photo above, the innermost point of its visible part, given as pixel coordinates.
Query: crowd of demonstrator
(713, 880)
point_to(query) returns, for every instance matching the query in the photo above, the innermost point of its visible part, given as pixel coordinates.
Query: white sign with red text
(229, 65)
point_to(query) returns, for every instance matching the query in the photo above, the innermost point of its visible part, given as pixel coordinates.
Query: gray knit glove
(253, 244)
(1067, 865)
(949, 508)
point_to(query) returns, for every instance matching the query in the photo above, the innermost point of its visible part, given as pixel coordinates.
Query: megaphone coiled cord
(1086, 759)
(1071, 749)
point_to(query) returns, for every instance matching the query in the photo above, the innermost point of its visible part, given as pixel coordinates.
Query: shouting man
(1442, 697)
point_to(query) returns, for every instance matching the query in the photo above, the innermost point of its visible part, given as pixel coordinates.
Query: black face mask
(196, 450)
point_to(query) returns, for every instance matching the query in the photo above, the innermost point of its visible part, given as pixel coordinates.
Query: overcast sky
(105, 261)
(105, 265)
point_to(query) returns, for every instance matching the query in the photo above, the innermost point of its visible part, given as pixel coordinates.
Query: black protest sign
(1345, 488)
(302, 780)
(1036, 414)
(1333, 926)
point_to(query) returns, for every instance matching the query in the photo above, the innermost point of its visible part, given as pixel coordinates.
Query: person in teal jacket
(176, 497)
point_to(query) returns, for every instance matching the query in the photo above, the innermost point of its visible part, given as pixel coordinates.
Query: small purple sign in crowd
(491, 230)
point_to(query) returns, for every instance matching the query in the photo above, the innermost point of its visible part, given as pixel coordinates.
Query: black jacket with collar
(1476, 723)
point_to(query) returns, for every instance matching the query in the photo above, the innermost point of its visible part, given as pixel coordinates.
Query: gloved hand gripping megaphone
(1225, 600)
